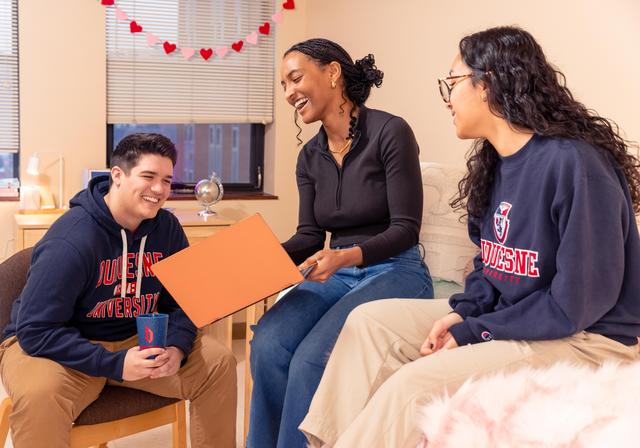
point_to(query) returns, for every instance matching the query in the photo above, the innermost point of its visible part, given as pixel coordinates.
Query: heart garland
(169, 47)
(134, 27)
(264, 29)
(205, 53)
(252, 38)
(237, 46)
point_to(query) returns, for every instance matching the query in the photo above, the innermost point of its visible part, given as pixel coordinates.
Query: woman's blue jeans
(293, 340)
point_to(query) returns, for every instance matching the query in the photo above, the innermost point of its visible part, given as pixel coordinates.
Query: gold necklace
(341, 150)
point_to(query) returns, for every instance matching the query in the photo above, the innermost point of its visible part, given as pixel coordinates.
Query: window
(214, 110)
(231, 150)
(8, 168)
(9, 110)
(215, 148)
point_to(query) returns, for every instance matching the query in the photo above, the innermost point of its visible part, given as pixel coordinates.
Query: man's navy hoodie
(74, 290)
(560, 251)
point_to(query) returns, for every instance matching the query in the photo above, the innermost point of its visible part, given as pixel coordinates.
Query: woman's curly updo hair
(528, 92)
(358, 76)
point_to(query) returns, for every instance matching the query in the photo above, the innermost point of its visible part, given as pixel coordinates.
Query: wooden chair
(118, 411)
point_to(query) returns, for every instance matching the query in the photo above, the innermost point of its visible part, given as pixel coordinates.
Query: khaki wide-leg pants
(376, 379)
(47, 397)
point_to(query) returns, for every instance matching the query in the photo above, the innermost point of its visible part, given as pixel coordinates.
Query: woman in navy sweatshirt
(359, 179)
(551, 194)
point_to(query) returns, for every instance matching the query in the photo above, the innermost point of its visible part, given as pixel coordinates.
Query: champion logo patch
(486, 336)
(501, 222)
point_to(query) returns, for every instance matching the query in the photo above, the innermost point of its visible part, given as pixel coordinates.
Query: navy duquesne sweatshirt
(560, 251)
(76, 290)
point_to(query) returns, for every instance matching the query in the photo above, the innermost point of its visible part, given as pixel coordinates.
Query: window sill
(228, 196)
(10, 199)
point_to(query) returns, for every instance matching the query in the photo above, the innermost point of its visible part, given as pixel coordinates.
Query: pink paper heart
(187, 52)
(151, 39)
(222, 51)
(277, 17)
(121, 15)
(252, 38)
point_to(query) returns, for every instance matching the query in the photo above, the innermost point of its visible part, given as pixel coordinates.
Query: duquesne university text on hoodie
(78, 288)
(560, 251)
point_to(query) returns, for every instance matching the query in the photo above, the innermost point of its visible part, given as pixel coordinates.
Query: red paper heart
(134, 27)
(169, 47)
(264, 29)
(206, 53)
(288, 4)
(108, 2)
(237, 45)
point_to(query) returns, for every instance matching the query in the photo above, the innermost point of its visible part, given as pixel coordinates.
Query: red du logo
(148, 335)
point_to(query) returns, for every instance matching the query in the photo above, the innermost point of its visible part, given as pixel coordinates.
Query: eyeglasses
(445, 88)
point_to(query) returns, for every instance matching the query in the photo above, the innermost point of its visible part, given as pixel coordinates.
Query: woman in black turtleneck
(359, 179)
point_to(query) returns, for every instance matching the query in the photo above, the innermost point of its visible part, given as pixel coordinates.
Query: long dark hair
(530, 93)
(358, 76)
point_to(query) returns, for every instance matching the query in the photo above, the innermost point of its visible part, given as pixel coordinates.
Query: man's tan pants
(48, 397)
(376, 379)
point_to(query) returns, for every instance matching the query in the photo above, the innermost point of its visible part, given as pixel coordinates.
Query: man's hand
(439, 336)
(170, 359)
(137, 366)
(330, 260)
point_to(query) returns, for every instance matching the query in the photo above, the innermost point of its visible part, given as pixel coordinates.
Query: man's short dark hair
(131, 147)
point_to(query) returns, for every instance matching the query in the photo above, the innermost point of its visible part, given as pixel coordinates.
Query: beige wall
(63, 91)
(594, 42)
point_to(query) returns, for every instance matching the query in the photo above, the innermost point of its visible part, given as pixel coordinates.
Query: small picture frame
(91, 173)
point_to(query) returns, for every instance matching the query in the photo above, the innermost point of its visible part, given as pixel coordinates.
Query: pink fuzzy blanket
(563, 406)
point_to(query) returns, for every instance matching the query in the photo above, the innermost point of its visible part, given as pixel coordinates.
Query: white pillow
(444, 236)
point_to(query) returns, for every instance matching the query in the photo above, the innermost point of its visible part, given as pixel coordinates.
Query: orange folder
(229, 271)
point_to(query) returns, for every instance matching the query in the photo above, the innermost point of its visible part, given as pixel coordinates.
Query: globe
(208, 192)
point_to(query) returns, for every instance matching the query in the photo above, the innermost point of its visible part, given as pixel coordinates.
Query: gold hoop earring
(333, 83)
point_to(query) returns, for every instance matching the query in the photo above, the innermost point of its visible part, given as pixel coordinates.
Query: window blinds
(145, 85)
(9, 92)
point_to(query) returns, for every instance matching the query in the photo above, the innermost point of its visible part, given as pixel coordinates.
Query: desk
(32, 227)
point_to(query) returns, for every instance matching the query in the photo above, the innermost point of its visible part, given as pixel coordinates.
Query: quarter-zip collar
(322, 145)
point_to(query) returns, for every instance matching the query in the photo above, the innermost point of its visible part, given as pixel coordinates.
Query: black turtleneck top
(373, 201)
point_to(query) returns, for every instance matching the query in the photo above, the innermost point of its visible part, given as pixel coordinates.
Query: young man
(73, 329)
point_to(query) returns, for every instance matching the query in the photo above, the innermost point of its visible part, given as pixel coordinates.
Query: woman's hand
(439, 336)
(330, 260)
